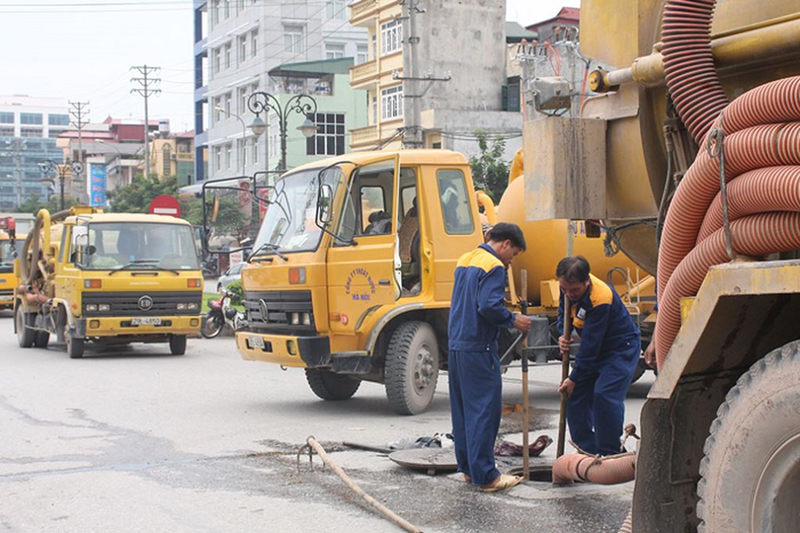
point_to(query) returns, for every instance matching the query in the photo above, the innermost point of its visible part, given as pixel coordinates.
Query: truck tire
(330, 386)
(177, 344)
(25, 335)
(74, 345)
(750, 475)
(41, 339)
(412, 368)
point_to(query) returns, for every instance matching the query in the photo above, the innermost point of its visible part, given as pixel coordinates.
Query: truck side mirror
(324, 199)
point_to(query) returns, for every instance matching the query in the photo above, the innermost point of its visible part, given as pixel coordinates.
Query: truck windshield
(290, 221)
(7, 256)
(151, 245)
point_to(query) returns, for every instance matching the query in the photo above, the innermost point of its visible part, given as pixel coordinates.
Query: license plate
(256, 342)
(8, 298)
(146, 321)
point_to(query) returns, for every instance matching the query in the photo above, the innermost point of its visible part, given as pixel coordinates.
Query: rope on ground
(312, 443)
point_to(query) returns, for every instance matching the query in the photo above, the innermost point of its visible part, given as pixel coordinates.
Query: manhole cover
(430, 460)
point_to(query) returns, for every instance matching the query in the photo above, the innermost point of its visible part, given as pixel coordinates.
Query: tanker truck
(689, 152)
(107, 278)
(8, 252)
(351, 273)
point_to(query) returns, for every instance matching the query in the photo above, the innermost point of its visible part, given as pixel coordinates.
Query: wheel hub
(423, 369)
(778, 490)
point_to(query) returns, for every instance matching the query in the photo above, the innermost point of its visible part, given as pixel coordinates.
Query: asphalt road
(139, 440)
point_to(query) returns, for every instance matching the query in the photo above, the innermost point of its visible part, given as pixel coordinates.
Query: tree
(33, 204)
(489, 169)
(136, 197)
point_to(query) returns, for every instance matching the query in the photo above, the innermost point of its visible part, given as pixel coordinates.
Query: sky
(83, 50)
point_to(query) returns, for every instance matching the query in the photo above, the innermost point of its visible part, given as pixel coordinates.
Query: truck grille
(279, 306)
(128, 304)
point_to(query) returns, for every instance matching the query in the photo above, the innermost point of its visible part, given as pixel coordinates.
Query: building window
(228, 155)
(392, 102)
(58, 120)
(241, 151)
(53, 133)
(218, 158)
(242, 48)
(254, 148)
(391, 35)
(5, 131)
(30, 132)
(6, 118)
(293, 39)
(334, 51)
(334, 9)
(166, 152)
(217, 103)
(374, 108)
(30, 118)
(329, 139)
(228, 98)
(217, 60)
(242, 100)
(227, 8)
(254, 43)
(228, 54)
(362, 56)
(215, 11)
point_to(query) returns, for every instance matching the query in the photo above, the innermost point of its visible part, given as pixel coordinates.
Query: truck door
(361, 262)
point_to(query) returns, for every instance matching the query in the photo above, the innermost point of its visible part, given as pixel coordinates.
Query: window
(241, 151)
(293, 39)
(392, 102)
(329, 139)
(228, 55)
(227, 8)
(374, 109)
(334, 9)
(391, 36)
(334, 51)
(58, 120)
(228, 155)
(254, 43)
(218, 158)
(242, 48)
(30, 118)
(362, 56)
(217, 104)
(30, 132)
(215, 11)
(242, 95)
(455, 202)
(53, 133)
(6, 131)
(368, 206)
(6, 118)
(227, 105)
(217, 60)
(166, 154)
(254, 150)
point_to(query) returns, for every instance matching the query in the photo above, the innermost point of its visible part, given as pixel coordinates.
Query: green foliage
(33, 204)
(238, 293)
(489, 169)
(136, 197)
(192, 210)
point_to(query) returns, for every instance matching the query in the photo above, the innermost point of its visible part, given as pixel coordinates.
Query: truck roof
(129, 217)
(407, 157)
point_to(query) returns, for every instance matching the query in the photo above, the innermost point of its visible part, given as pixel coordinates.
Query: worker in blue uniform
(477, 312)
(607, 356)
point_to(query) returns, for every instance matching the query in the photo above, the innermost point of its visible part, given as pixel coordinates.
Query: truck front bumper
(286, 350)
(116, 326)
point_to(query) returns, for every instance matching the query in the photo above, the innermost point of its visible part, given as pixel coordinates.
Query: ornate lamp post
(261, 102)
(48, 166)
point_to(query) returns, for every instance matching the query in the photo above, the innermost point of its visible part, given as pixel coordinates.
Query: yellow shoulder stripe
(479, 258)
(601, 293)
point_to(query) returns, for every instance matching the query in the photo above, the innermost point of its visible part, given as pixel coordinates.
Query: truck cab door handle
(384, 282)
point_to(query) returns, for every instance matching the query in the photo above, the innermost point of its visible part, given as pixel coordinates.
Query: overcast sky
(82, 50)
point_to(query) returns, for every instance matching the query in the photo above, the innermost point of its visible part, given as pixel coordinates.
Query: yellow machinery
(351, 273)
(8, 280)
(658, 146)
(109, 279)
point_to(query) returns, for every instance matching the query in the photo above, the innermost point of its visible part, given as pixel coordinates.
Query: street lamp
(244, 133)
(261, 102)
(48, 166)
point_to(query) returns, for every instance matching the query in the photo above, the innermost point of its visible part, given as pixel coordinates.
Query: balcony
(363, 11)
(361, 138)
(364, 75)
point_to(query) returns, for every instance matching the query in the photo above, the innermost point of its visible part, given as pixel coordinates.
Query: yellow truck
(351, 273)
(8, 280)
(110, 279)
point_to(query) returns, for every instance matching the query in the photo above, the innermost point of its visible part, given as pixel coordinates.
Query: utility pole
(146, 90)
(78, 112)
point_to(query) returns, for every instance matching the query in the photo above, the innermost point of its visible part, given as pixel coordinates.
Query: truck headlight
(91, 307)
(104, 307)
(306, 319)
(181, 307)
(295, 321)
(192, 306)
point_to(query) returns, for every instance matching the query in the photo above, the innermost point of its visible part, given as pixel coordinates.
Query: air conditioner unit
(173, 156)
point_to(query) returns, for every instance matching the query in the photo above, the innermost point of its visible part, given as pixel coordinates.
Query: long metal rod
(526, 453)
(562, 412)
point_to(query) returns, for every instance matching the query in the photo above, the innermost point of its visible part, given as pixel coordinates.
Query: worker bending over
(607, 356)
(477, 313)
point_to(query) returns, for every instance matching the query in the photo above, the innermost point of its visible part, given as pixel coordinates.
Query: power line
(146, 90)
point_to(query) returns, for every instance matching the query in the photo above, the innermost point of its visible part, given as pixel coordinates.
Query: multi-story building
(28, 127)
(236, 44)
(435, 73)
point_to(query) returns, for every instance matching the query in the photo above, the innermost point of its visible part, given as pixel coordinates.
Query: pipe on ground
(608, 470)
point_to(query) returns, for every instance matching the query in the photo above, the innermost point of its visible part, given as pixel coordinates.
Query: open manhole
(537, 473)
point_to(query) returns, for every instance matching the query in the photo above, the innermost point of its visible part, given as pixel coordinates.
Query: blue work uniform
(607, 356)
(477, 311)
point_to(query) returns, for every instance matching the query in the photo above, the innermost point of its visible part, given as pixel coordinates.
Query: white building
(237, 42)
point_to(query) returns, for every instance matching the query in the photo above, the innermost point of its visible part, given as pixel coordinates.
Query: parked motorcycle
(220, 313)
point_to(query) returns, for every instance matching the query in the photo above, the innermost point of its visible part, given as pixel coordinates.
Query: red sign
(165, 205)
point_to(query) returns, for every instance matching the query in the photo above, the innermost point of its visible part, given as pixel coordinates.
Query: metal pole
(61, 184)
(282, 126)
(146, 131)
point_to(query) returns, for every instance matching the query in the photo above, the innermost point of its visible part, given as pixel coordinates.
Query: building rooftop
(515, 33)
(310, 69)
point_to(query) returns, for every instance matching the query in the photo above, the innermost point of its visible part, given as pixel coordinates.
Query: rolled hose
(762, 165)
(608, 470)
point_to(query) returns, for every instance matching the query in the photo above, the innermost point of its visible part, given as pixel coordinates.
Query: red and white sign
(165, 205)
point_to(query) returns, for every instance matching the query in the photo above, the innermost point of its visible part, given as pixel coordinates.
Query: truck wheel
(42, 339)
(412, 368)
(74, 344)
(330, 386)
(750, 475)
(177, 344)
(25, 335)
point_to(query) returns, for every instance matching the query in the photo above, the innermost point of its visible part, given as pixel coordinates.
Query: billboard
(98, 182)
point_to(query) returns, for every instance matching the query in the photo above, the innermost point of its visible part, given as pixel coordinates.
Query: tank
(549, 241)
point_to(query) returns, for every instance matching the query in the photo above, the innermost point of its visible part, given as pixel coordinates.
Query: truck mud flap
(351, 363)
(314, 351)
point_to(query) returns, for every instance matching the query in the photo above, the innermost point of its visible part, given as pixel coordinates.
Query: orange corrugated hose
(762, 156)
(608, 470)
